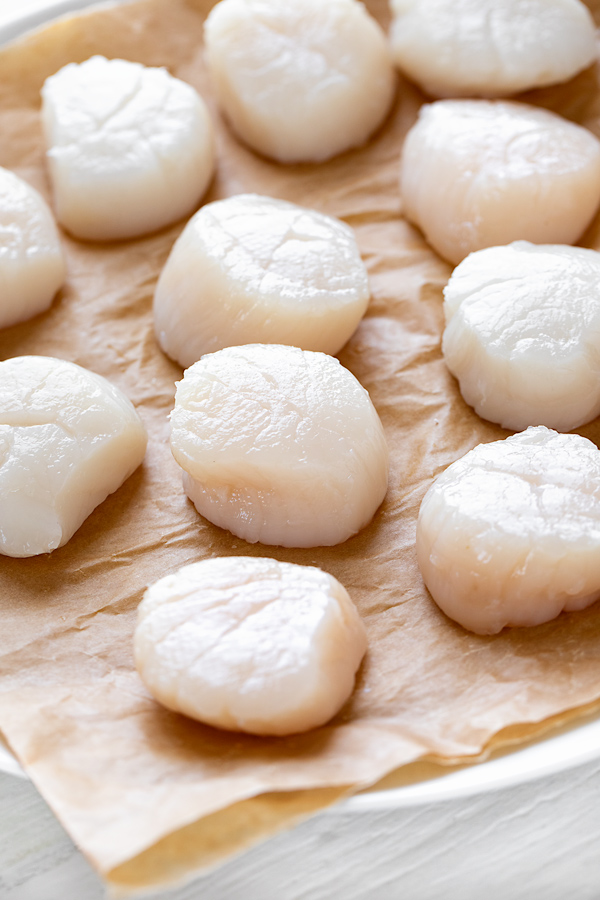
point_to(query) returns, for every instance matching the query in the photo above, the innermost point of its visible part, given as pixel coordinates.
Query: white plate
(420, 783)
(17, 18)
(566, 748)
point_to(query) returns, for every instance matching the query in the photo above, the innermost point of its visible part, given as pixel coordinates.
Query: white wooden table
(537, 838)
(536, 841)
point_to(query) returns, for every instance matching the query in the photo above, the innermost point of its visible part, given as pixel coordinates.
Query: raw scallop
(68, 439)
(510, 534)
(490, 48)
(523, 334)
(130, 148)
(254, 269)
(478, 173)
(32, 267)
(279, 445)
(299, 81)
(250, 645)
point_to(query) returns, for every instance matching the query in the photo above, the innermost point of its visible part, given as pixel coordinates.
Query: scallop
(254, 269)
(510, 533)
(523, 334)
(279, 445)
(130, 148)
(486, 48)
(299, 81)
(250, 645)
(479, 173)
(32, 266)
(68, 439)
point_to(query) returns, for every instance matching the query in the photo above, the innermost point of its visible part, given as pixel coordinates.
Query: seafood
(254, 269)
(130, 148)
(487, 48)
(510, 533)
(250, 644)
(32, 266)
(479, 173)
(299, 81)
(68, 439)
(279, 445)
(522, 334)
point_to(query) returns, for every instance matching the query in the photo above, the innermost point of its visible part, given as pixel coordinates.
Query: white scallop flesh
(279, 445)
(479, 173)
(250, 645)
(130, 148)
(68, 439)
(522, 334)
(32, 267)
(490, 48)
(299, 81)
(510, 533)
(252, 269)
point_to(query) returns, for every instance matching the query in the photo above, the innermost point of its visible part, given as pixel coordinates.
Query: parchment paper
(149, 795)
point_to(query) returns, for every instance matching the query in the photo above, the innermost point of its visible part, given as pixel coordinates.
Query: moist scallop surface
(32, 266)
(279, 445)
(250, 644)
(130, 148)
(510, 533)
(255, 269)
(522, 334)
(68, 439)
(299, 81)
(479, 173)
(490, 48)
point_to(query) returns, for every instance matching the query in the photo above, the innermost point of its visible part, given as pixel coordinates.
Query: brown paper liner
(148, 795)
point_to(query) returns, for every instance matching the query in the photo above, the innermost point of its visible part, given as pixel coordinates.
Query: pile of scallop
(277, 442)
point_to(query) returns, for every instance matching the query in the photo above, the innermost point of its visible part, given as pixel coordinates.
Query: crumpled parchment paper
(148, 795)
